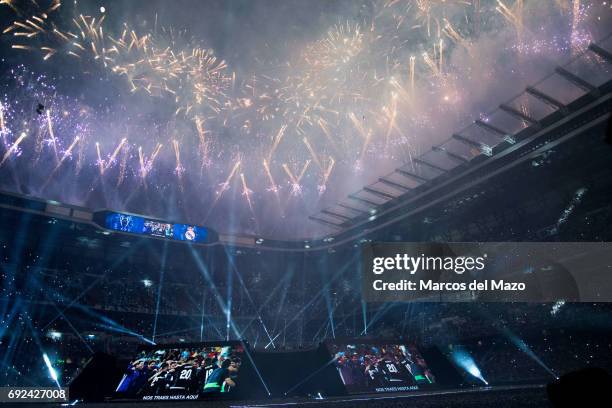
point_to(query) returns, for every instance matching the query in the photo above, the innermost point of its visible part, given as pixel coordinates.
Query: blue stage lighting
(464, 360)
(52, 371)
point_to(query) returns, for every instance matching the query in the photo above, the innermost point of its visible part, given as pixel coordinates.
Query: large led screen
(184, 373)
(369, 368)
(140, 225)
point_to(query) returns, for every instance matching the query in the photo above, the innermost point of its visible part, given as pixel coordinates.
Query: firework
(246, 192)
(103, 165)
(13, 149)
(322, 187)
(277, 139)
(150, 63)
(296, 187)
(146, 163)
(273, 186)
(514, 16)
(204, 145)
(367, 94)
(313, 153)
(411, 71)
(9, 3)
(2, 125)
(224, 186)
(67, 153)
(179, 169)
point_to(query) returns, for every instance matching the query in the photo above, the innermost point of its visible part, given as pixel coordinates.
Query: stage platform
(499, 397)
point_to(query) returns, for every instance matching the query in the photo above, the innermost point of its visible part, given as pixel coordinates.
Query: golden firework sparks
(273, 186)
(246, 193)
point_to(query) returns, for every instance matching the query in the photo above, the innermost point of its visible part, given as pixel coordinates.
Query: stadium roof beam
(490, 128)
(549, 100)
(333, 214)
(394, 184)
(450, 154)
(379, 193)
(518, 114)
(576, 80)
(348, 207)
(363, 200)
(467, 141)
(325, 222)
(412, 175)
(431, 165)
(605, 54)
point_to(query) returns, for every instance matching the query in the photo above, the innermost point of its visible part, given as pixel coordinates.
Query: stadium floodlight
(475, 371)
(147, 283)
(55, 335)
(464, 360)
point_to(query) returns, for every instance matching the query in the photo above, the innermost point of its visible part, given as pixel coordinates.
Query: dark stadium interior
(271, 277)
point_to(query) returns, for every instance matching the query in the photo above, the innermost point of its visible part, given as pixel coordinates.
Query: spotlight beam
(284, 282)
(217, 296)
(272, 341)
(317, 371)
(379, 313)
(96, 281)
(463, 359)
(73, 328)
(108, 323)
(338, 274)
(159, 287)
(248, 295)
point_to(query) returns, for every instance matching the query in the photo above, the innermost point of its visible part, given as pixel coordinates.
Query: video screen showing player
(158, 229)
(182, 373)
(381, 368)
